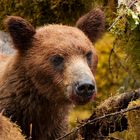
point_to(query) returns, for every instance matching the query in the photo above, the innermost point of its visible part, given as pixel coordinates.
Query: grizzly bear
(51, 70)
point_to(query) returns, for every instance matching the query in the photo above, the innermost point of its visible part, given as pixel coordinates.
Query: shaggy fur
(41, 75)
(9, 130)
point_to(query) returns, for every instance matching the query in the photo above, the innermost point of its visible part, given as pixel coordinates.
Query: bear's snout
(85, 88)
(83, 92)
(81, 82)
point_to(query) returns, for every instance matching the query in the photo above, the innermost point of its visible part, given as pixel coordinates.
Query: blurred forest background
(118, 50)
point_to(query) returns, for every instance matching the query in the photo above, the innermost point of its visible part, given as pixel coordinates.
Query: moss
(40, 12)
(132, 133)
(134, 121)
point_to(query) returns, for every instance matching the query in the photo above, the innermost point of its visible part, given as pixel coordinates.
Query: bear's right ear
(92, 24)
(20, 30)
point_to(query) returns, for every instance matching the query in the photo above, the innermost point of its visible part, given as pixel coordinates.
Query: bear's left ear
(20, 30)
(92, 24)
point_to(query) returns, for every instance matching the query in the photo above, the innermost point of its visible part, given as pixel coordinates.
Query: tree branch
(120, 16)
(99, 118)
(107, 118)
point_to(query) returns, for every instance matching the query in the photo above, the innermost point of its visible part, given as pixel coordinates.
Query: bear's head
(59, 60)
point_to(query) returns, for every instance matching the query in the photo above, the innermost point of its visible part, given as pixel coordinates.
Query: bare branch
(99, 118)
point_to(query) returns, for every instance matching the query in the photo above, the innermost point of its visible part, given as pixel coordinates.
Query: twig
(120, 16)
(98, 118)
(115, 22)
(110, 55)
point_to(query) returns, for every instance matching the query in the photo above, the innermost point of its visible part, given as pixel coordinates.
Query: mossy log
(102, 128)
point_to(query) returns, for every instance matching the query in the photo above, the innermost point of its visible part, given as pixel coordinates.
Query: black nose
(85, 89)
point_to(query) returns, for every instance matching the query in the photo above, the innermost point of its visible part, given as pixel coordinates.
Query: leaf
(133, 19)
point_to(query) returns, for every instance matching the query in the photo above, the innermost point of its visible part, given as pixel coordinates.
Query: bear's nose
(85, 89)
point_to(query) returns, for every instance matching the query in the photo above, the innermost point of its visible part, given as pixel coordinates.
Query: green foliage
(133, 19)
(40, 12)
(127, 42)
(127, 47)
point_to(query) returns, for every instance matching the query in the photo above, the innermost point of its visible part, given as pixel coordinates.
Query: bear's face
(60, 60)
(63, 59)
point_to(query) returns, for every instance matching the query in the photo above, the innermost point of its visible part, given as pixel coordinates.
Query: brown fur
(9, 130)
(92, 28)
(41, 92)
(20, 30)
(2, 57)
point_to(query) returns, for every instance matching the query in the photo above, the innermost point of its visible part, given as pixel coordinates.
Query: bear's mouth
(80, 100)
(80, 94)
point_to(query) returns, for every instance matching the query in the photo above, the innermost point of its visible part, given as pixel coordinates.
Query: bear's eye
(89, 57)
(57, 60)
